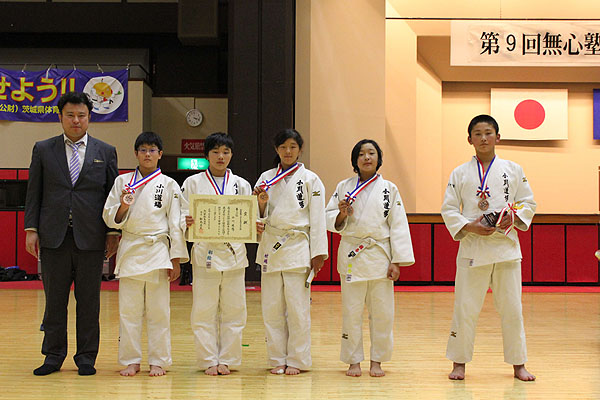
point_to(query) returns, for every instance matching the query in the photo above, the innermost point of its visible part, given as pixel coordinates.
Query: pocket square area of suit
(96, 160)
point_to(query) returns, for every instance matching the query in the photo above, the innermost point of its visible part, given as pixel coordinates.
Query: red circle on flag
(529, 114)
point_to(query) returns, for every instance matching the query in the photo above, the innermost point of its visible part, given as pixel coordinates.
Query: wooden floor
(563, 332)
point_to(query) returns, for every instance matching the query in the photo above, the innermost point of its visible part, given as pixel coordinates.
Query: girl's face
(288, 152)
(367, 160)
(218, 160)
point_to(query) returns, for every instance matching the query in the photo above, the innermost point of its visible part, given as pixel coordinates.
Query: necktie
(74, 164)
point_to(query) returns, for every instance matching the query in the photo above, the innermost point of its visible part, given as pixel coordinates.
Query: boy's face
(484, 138)
(148, 156)
(218, 159)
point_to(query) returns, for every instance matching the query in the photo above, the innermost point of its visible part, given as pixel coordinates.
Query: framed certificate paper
(226, 218)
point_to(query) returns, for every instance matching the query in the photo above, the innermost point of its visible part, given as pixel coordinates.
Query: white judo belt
(149, 239)
(360, 245)
(282, 237)
(210, 254)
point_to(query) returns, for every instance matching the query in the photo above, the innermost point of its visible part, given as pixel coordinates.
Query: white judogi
(151, 237)
(294, 234)
(219, 289)
(380, 226)
(485, 261)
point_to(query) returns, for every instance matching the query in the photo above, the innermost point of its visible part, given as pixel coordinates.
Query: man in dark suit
(70, 177)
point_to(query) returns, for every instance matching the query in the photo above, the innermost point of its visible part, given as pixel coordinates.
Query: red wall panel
(335, 243)
(444, 254)
(525, 240)
(23, 174)
(582, 242)
(548, 253)
(25, 260)
(8, 174)
(421, 242)
(8, 227)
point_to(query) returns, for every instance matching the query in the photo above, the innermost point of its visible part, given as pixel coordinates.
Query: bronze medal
(350, 210)
(128, 199)
(483, 204)
(263, 196)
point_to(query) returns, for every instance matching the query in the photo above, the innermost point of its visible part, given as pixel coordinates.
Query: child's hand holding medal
(263, 197)
(345, 208)
(127, 198)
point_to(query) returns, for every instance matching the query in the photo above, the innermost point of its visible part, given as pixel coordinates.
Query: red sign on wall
(192, 146)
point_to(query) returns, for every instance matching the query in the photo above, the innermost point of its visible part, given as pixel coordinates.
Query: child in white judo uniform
(368, 212)
(145, 205)
(219, 291)
(486, 199)
(291, 199)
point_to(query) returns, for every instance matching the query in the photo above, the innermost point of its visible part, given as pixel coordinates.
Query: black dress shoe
(46, 369)
(87, 369)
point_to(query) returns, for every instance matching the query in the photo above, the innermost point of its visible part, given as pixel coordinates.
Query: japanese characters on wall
(524, 43)
(33, 96)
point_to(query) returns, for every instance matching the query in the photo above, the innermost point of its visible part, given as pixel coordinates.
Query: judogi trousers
(136, 298)
(218, 316)
(378, 295)
(286, 314)
(471, 286)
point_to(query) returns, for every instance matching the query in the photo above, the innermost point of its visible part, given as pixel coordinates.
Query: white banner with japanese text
(525, 43)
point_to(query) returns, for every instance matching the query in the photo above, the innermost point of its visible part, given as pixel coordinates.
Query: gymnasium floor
(562, 329)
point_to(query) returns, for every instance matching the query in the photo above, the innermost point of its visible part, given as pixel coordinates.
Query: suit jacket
(50, 193)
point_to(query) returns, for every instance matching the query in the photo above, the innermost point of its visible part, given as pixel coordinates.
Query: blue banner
(32, 96)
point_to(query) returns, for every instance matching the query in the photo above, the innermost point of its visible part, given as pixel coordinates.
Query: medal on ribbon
(483, 191)
(279, 175)
(351, 196)
(135, 183)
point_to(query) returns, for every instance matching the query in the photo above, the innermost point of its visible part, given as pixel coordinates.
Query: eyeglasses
(148, 151)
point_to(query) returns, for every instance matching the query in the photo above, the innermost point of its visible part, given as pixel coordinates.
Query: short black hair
(284, 135)
(483, 118)
(217, 139)
(149, 138)
(356, 151)
(74, 98)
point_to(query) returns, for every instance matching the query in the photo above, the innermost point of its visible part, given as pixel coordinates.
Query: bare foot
(376, 369)
(458, 372)
(155, 370)
(354, 370)
(522, 373)
(131, 370)
(292, 371)
(278, 370)
(223, 369)
(212, 371)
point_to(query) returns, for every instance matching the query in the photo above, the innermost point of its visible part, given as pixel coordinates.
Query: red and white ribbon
(351, 196)
(213, 182)
(508, 212)
(134, 183)
(279, 175)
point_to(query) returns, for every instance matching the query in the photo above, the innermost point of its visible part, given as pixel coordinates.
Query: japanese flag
(531, 114)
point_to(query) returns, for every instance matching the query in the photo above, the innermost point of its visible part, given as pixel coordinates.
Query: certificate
(225, 218)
